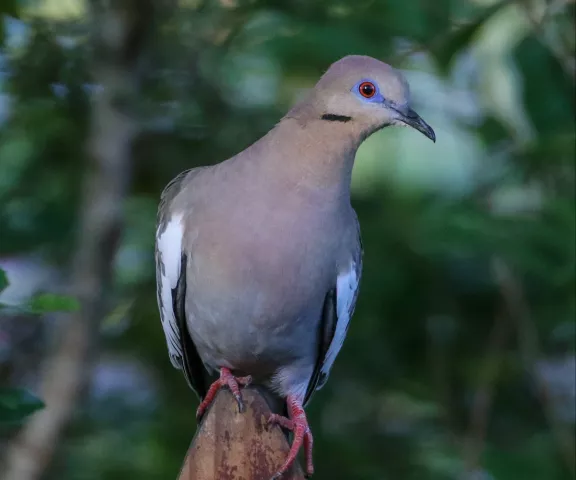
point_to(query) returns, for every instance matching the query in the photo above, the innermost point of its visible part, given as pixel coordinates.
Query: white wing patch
(346, 289)
(169, 246)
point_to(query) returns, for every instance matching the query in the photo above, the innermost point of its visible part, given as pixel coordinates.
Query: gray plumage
(256, 290)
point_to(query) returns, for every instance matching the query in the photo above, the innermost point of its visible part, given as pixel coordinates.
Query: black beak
(414, 120)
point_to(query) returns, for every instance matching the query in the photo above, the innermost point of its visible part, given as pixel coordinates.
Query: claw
(298, 424)
(226, 380)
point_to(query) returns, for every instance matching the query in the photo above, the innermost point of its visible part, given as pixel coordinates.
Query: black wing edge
(328, 323)
(192, 365)
(326, 333)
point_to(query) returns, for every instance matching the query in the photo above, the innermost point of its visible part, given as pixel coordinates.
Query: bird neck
(314, 157)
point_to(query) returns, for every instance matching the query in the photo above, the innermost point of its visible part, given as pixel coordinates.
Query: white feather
(346, 287)
(169, 244)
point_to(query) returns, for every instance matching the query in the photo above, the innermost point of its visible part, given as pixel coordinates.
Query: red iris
(367, 89)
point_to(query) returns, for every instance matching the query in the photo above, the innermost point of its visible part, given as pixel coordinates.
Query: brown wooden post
(237, 446)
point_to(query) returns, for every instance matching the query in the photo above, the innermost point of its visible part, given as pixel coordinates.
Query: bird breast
(254, 299)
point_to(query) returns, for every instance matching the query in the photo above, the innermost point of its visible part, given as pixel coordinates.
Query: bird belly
(248, 336)
(246, 312)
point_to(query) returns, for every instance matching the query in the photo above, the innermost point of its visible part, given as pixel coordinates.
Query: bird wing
(339, 305)
(171, 263)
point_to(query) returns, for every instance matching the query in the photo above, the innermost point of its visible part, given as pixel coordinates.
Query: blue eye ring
(367, 90)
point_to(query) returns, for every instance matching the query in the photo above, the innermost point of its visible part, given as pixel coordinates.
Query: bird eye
(367, 89)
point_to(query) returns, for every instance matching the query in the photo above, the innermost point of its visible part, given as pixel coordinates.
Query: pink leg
(226, 380)
(298, 424)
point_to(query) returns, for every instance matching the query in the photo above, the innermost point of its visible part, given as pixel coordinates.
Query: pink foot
(226, 380)
(298, 424)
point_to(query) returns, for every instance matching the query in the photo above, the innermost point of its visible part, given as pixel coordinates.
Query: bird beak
(412, 119)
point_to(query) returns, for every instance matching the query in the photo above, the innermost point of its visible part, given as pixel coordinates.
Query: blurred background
(459, 363)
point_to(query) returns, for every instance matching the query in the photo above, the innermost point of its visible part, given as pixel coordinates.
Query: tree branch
(519, 313)
(484, 395)
(118, 33)
(232, 446)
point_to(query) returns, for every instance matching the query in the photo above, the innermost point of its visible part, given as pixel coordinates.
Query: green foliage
(50, 302)
(7, 7)
(16, 404)
(10, 7)
(3, 280)
(459, 39)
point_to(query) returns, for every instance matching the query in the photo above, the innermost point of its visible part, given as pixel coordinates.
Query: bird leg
(226, 380)
(298, 425)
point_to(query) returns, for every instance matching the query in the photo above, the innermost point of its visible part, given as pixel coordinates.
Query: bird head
(367, 93)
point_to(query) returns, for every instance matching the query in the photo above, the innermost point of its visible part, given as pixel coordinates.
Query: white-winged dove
(259, 258)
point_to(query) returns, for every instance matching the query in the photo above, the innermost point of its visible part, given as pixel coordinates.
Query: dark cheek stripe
(335, 118)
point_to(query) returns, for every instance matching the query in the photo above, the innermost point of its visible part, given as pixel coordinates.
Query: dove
(259, 258)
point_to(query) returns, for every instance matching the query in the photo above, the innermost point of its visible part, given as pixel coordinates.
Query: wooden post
(238, 446)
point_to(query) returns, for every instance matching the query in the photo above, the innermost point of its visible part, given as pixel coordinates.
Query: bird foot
(298, 425)
(226, 380)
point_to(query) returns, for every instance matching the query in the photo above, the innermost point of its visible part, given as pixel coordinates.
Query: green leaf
(50, 302)
(460, 38)
(3, 280)
(16, 404)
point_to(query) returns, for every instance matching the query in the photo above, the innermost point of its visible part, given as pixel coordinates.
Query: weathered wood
(237, 446)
